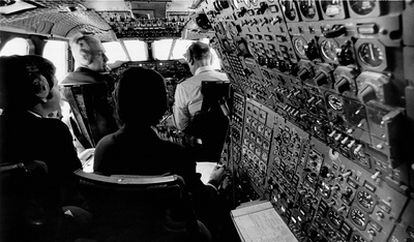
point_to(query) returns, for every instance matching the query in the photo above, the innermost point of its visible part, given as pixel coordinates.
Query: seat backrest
(212, 122)
(93, 112)
(125, 201)
(215, 94)
(28, 211)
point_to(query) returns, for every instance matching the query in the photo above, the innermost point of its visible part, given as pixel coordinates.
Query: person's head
(140, 97)
(198, 54)
(28, 83)
(89, 52)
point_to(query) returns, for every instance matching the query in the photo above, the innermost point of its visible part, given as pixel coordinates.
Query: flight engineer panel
(322, 115)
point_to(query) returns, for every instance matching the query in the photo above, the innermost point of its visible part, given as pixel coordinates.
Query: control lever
(335, 31)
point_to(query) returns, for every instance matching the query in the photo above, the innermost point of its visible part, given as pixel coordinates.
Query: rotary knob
(343, 85)
(311, 50)
(242, 12)
(367, 94)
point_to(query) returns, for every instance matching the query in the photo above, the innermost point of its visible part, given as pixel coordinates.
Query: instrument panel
(322, 113)
(125, 25)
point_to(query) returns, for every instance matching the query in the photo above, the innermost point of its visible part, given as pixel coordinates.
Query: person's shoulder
(107, 140)
(79, 76)
(187, 81)
(222, 76)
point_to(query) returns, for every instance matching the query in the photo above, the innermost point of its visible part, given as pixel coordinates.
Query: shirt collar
(202, 69)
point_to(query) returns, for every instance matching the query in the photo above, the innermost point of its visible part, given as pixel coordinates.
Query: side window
(114, 52)
(15, 46)
(57, 52)
(181, 46)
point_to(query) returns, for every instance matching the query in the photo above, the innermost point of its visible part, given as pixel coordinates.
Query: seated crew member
(90, 83)
(29, 93)
(135, 149)
(189, 99)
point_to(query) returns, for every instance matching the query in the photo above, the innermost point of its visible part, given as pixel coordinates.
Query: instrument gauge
(254, 2)
(329, 49)
(289, 9)
(362, 7)
(365, 200)
(308, 8)
(247, 3)
(332, 8)
(300, 44)
(358, 217)
(335, 103)
(370, 54)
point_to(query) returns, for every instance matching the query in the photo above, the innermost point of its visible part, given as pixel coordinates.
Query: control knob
(303, 73)
(262, 8)
(311, 50)
(367, 94)
(321, 79)
(346, 54)
(242, 12)
(343, 85)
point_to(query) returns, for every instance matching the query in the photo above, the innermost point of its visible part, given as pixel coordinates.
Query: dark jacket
(37, 197)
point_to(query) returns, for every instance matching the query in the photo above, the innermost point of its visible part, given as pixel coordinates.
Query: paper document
(259, 222)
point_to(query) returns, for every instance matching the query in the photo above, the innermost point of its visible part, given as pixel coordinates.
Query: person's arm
(67, 162)
(180, 110)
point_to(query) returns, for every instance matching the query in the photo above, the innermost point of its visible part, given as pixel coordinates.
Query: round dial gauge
(247, 3)
(335, 103)
(362, 7)
(308, 8)
(329, 49)
(371, 54)
(332, 8)
(365, 200)
(300, 44)
(289, 9)
(254, 2)
(358, 217)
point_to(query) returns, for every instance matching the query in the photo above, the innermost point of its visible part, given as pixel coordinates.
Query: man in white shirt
(188, 97)
(210, 128)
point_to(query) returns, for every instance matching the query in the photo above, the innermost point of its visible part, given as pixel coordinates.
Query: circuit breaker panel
(322, 119)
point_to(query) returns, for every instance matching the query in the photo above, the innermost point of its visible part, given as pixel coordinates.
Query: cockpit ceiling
(64, 18)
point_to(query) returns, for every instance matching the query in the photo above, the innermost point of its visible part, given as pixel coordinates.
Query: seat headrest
(137, 181)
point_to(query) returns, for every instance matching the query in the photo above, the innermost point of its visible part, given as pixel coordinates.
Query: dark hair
(140, 96)
(17, 76)
(198, 51)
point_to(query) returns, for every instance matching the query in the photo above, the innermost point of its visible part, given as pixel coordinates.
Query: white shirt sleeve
(180, 109)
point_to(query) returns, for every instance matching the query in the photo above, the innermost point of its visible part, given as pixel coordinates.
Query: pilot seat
(140, 208)
(210, 125)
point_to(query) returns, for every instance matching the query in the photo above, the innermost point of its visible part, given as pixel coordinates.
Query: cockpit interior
(317, 97)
